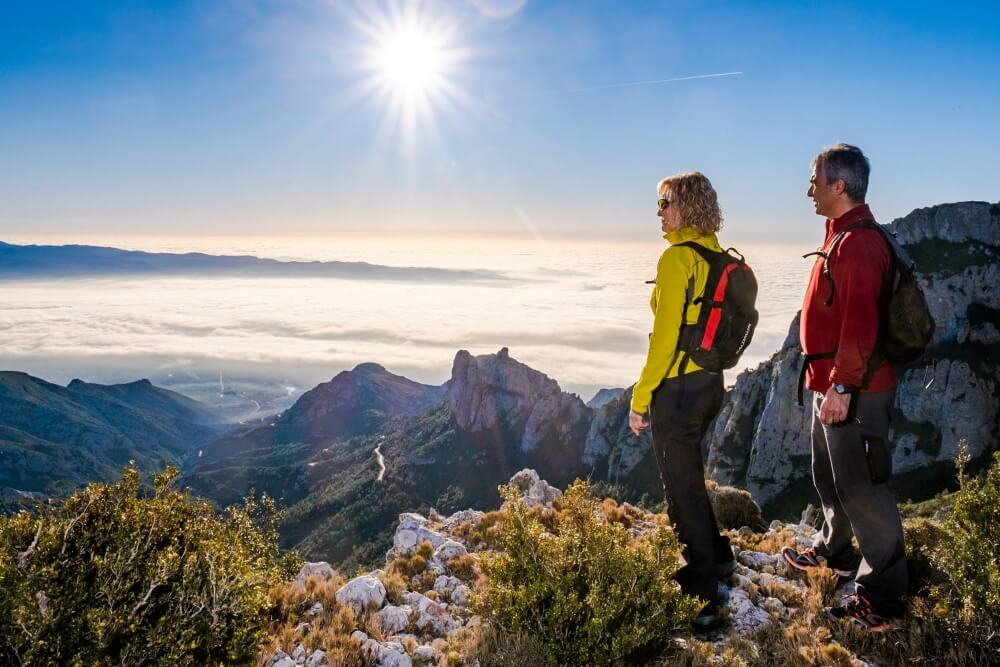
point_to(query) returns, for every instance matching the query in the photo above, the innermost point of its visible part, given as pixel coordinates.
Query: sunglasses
(662, 203)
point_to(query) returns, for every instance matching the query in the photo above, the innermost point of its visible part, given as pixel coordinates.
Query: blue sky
(238, 117)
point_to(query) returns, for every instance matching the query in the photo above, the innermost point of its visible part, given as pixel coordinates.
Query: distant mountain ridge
(57, 261)
(54, 439)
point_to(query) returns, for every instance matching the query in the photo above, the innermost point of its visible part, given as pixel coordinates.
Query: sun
(412, 60)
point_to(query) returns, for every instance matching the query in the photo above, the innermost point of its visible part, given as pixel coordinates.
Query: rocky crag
(951, 395)
(760, 440)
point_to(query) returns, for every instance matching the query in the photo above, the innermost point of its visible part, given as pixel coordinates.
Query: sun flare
(412, 61)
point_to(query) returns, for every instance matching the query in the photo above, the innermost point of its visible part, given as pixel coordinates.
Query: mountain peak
(370, 368)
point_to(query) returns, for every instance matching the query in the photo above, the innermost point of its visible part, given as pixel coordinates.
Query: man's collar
(859, 212)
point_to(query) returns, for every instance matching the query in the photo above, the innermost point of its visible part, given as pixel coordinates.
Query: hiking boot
(725, 569)
(861, 613)
(708, 617)
(810, 560)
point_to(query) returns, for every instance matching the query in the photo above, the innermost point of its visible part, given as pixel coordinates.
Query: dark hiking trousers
(851, 465)
(680, 413)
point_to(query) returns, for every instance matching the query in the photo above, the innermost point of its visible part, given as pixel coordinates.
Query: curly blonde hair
(694, 194)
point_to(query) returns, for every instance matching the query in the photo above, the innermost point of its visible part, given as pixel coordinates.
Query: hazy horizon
(575, 310)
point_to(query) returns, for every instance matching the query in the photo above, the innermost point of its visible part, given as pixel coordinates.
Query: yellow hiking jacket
(681, 275)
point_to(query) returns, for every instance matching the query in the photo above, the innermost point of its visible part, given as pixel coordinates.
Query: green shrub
(587, 590)
(968, 553)
(111, 577)
(923, 538)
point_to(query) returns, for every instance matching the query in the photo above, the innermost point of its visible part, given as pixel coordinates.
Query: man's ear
(840, 186)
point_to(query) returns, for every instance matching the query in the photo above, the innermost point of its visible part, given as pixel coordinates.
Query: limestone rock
(535, 491)
(395, 619)
(744, 616)
(760, 440)
(449, 550)
(321, 570)
(432, 615)
(364, 592)
(495, 397)
(317, 659)
(412, 530)
(280, 659)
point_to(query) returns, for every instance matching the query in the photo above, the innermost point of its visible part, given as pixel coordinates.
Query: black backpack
(728, 316)
(907, 328)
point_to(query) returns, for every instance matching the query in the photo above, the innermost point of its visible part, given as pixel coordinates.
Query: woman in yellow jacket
(674, 395)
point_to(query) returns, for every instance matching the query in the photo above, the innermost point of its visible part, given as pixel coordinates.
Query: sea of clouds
(576, 310)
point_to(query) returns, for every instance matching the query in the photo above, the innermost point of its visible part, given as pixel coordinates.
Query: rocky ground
(430, 621)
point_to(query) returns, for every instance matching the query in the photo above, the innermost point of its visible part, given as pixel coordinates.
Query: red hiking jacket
(849, 325)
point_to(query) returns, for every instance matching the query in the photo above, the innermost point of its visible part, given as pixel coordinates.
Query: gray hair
(846, 163)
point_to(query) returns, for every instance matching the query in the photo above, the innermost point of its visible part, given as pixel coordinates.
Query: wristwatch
(841, 389)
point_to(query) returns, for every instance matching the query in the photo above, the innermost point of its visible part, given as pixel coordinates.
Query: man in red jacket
(853, 391)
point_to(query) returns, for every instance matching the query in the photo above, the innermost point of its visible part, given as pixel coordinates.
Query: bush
(923, 538)
(110, 577)
(589, 591)
(968, 553)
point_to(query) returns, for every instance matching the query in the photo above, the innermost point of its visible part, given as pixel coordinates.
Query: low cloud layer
(303, 331)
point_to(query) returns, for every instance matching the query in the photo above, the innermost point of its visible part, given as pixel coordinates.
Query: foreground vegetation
(117, 576)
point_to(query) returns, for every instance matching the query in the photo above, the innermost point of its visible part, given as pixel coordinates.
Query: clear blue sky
(240, 117)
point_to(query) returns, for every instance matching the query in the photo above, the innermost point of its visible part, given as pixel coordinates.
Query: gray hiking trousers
(851, 465)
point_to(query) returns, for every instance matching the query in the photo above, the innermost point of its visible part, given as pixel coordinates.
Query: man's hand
(833, 410)
(637, 422)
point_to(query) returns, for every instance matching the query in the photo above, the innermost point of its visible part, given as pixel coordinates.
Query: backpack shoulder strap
(710, 256)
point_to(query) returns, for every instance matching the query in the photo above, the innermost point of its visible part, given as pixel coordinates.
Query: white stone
(450, 550)
(315, 610)
(392, 655)
(321, 570)
(460, 596)
(744, 615)
(413, 530)
(280, 659)
(445, 584)
(364, 592)
(359, 636)
(299, 655)
(758, 560)
(317, 659)
(395, 619)
(424, 654)
(432, 615)
(460, 517)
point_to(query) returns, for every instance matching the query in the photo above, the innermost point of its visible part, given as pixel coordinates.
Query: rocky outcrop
(761, 592)
(499, 401)
(605, 396)
(761, 438)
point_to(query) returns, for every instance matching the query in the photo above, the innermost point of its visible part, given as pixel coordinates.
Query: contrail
(651, 82)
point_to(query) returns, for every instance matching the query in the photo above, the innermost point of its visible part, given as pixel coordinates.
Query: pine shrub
(588, 590)
(108, 576)
(969, 553)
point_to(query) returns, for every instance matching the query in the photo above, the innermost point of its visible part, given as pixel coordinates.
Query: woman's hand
(637, 422)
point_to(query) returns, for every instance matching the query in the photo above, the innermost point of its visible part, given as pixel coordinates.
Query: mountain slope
(54, 439)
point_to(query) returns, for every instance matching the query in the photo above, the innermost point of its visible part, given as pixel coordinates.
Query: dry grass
(495, 647)
(465, 567)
